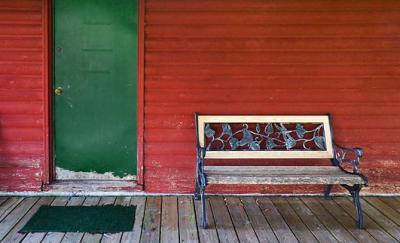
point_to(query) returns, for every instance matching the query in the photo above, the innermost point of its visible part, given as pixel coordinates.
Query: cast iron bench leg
(327, 192)
(357, 204)
(203, 208)
(197, 190)
(355, 194)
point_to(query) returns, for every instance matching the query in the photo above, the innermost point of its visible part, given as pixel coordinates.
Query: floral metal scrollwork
(268, 136)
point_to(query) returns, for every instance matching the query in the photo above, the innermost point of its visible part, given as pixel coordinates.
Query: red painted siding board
(22, 79)
(250, 45)
(270, 57)
(274, 5)
(245, 57)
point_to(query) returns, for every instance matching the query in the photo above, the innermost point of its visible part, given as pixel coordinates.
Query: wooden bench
(274, 137)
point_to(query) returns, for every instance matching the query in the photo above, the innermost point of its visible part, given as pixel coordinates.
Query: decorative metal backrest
(283, 137)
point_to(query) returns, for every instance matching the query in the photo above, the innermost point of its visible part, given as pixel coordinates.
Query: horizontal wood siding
(223, 57)
(22, 101)
(271, 57)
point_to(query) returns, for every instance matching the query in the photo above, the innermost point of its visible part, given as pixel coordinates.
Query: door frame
(48, 164)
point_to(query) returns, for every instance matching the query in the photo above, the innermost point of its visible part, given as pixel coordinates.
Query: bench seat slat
(279, 175)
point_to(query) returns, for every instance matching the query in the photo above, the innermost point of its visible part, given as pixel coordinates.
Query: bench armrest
(349, 155)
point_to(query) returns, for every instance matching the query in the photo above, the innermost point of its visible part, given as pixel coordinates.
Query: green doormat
(93, 219)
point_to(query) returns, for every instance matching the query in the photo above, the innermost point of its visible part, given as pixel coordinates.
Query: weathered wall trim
(47, 163)
(140, 93)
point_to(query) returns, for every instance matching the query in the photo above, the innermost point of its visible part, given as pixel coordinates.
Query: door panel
(95, 65)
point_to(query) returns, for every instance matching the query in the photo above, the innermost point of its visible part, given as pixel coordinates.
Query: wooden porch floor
(231, 219)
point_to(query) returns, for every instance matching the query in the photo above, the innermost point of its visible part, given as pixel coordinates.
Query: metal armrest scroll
(349, 155)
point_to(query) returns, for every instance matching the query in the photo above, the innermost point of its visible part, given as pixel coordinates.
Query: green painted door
(95, 67)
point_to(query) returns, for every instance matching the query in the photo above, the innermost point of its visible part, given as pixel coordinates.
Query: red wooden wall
(222, 57)
(271, 57)
(23, 111)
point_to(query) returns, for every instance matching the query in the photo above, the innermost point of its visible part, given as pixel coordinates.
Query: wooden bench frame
(339, 156)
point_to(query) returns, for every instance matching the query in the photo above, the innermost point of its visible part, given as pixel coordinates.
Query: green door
(95, 66)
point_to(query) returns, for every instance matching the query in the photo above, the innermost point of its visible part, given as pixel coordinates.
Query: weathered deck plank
(395, 204)
(8, 206)
(245, 219)
(223, 223)
(89, 237)
(312, 222)
(385, 209)
(294, 222)
(116, 237)
(346, 220)
(152, 220)
(55, 236)
(379, 218)
(275, 219)
(15, 215)
(134, 236)
(210, 233)
(244, 229)
(370, 225)
(187, 220)
(328, 220)
(169, 220)
(13, 235)
(3, 199)
(73, 237)
(260, 225)
(38, 237)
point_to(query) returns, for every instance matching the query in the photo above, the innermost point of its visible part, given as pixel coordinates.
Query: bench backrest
(264, 137)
